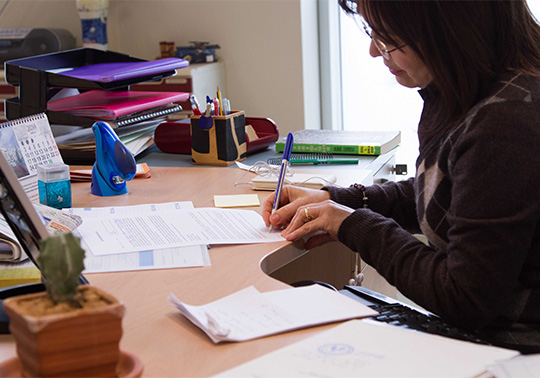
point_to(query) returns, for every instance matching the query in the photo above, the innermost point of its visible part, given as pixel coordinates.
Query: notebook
(110, 105)
(299, 179)
(343, 142)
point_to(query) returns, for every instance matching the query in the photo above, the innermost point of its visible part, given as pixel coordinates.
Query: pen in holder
(218, 140)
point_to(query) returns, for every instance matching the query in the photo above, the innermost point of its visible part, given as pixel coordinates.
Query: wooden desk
(168, 344)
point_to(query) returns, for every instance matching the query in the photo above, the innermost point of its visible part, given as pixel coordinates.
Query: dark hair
(466, 45)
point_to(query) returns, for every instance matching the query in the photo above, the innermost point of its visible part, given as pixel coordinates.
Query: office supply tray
(38, 81)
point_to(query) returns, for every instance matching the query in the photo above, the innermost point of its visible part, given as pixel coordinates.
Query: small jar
(54, 185)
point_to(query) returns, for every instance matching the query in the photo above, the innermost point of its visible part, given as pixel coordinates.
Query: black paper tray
(37, 85)
(15, 69)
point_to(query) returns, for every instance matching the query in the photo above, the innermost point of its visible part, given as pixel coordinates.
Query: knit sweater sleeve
(394, 200)
(486, 271)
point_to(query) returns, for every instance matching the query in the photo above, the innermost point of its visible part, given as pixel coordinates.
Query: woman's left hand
(324, 216)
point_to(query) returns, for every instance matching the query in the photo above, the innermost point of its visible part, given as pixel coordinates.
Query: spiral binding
(20, 121)
(147, 116)
(322, 155)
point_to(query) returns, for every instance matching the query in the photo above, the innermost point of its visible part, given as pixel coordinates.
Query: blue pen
(283, 171)
(209, 107)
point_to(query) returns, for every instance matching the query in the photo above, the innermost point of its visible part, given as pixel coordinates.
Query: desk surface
(168, 344)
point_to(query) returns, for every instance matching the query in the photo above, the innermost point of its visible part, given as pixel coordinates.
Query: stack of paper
(164, 235)
(126, 258)
(248, 314)
(134, 115)
(79, 146)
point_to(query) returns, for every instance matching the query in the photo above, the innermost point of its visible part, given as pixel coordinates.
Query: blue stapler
(114, 164)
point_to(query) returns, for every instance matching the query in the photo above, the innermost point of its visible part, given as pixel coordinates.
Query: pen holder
(218, 140)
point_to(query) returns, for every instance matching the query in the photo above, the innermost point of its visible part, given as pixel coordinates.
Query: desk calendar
(26, 143)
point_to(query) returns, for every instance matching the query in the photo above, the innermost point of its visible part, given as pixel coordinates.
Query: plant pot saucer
(129, 366)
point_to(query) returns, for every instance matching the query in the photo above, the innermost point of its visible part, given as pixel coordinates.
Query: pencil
(220, 102)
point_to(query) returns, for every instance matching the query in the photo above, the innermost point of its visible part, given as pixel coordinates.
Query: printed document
(248, 314)
(164, 258)
(365, 348)
(126, 229)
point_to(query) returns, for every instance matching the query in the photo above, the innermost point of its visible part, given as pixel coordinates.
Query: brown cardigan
(476, 197)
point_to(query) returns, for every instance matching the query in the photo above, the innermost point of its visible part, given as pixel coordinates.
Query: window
(371, 97)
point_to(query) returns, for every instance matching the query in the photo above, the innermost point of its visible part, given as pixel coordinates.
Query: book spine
(332, 149)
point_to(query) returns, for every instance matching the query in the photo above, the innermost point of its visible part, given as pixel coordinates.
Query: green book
(343, 142)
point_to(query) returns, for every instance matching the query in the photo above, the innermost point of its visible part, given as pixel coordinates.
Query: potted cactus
(69, 330)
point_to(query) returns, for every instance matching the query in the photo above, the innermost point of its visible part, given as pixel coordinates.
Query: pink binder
(111, 104)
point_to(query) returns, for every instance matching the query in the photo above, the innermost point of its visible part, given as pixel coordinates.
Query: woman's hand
(325, 216)
(291, 198)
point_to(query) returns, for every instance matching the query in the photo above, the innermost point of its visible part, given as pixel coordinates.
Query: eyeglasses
(380, 45)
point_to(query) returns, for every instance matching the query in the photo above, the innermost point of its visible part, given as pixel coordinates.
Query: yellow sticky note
(236, 200)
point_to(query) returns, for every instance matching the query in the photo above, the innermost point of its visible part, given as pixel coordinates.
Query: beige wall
(261, 42)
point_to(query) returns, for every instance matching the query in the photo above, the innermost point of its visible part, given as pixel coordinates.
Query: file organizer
(218, 140)
(38, 81)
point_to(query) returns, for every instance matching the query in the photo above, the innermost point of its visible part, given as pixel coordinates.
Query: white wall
(261, 43)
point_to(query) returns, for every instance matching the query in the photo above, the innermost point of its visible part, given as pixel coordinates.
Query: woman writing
(476, 194)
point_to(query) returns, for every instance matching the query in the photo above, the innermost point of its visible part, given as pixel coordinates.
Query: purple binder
(108, 72)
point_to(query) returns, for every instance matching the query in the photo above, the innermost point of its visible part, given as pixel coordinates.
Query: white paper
(151, 227)
(248, 314)
(361, 348)
(519, 367)
(181, 257)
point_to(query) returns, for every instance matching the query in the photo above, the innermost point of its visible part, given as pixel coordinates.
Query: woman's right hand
(292, 197)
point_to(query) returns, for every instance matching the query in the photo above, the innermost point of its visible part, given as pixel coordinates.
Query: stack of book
(134, 115)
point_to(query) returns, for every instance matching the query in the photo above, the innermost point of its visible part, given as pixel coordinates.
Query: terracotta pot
(79, 343)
